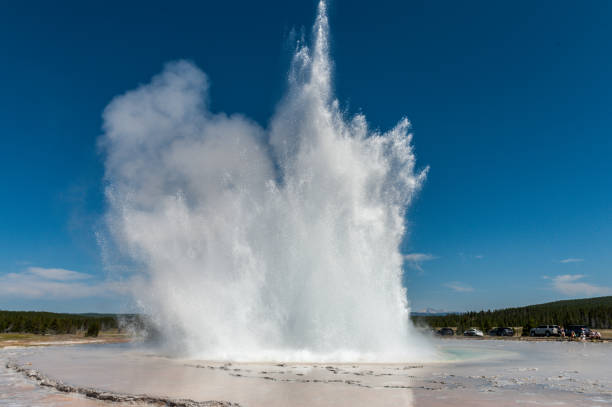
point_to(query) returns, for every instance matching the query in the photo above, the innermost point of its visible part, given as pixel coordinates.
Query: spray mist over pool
(263, 244)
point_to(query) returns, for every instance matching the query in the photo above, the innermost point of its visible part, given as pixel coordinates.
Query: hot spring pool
(477, 372)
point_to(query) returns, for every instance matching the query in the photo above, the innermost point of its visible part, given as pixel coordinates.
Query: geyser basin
(511, 373)
(263, 243)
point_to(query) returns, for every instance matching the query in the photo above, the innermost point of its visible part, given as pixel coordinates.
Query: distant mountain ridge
(607, 300)
(430, 312)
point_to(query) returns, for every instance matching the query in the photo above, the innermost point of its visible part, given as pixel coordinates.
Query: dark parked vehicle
(446, 331)
(577, 329)
(501, 331)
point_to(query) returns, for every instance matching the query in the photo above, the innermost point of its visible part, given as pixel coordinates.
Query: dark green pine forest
(51, 323)
(593, 312)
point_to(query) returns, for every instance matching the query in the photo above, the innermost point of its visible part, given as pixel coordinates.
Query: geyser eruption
(269, 244)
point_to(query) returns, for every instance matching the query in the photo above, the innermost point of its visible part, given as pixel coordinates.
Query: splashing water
(263, 244)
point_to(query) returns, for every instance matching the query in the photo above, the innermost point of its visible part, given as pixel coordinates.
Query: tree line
(37, 322)
(593, 312)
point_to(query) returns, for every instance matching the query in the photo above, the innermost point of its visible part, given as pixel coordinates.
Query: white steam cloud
(278, 243)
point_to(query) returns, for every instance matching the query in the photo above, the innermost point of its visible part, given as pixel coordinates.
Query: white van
(546, 330)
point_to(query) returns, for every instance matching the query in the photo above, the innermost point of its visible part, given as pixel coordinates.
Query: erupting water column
(263, 244)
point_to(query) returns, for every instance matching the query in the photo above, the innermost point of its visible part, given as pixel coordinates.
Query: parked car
(473, 332)
(446, 331)
(577, 329)
(502, 331)
(546, 330)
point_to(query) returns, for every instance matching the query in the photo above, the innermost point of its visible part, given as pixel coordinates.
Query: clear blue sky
(511, 105)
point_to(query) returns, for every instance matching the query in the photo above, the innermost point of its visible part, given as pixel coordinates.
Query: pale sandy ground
(17, 390)
(473, 373)
(18, 339)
